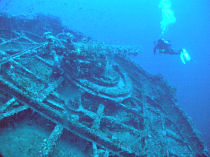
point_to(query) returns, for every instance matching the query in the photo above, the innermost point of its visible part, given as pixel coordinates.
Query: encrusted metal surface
(91, 90)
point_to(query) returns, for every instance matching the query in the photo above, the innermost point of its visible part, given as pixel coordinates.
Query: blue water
(137, 23)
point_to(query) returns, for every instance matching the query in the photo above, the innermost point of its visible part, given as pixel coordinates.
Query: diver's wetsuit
(163, 46)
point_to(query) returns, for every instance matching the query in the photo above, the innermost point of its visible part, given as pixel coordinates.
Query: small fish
(0, 153)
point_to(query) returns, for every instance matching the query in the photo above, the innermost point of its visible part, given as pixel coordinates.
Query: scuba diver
(164, 46)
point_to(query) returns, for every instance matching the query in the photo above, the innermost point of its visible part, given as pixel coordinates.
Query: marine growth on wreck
(63, 94)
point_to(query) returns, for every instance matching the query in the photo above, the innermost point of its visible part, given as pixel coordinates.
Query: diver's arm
(154, 50)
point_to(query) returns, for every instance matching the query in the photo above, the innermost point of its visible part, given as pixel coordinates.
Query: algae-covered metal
(91, 90)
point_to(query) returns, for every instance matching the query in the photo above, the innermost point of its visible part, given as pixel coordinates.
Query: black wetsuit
(163, 46)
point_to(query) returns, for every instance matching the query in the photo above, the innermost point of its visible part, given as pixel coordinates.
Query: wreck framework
(108, 100)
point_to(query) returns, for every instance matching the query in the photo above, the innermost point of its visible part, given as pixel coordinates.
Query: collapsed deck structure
(91, 90)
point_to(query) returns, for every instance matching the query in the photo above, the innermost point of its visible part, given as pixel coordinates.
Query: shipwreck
(89, 91)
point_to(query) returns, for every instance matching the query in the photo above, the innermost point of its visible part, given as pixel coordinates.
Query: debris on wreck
(89, 91)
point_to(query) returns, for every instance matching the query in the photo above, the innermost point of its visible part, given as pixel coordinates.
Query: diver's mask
(184, 56)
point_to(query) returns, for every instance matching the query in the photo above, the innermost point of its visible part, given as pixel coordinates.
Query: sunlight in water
(167, 15)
